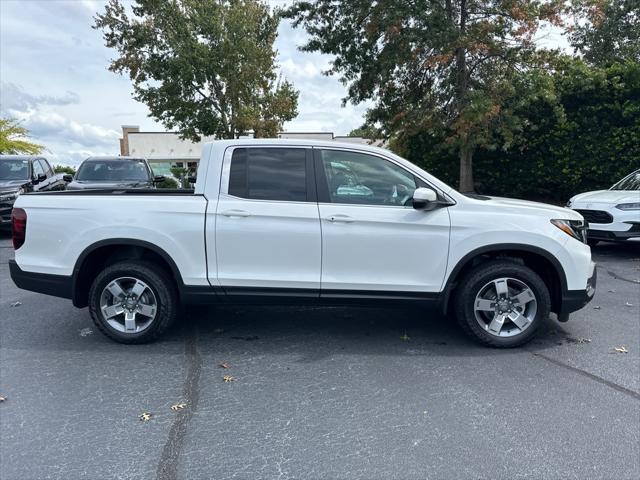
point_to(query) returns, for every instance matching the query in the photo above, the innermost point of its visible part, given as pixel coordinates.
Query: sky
(54, 79)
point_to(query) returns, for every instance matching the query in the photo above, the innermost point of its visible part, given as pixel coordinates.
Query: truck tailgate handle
(235, 213)
(339, 218)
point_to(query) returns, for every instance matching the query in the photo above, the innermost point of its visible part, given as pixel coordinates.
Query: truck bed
(120, 191)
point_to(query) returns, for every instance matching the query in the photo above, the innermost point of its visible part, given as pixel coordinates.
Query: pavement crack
(584, 373)
(618, 277)
(168, 464)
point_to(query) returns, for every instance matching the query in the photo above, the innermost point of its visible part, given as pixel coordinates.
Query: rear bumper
(573, 300)
(56, 285)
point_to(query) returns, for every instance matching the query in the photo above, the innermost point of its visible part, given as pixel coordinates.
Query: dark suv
(113, 172)
(22, 174)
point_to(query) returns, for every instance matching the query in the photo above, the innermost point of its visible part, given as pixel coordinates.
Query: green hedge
(592, 143)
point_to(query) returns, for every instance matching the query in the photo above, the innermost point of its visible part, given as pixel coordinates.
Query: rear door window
(269, 174)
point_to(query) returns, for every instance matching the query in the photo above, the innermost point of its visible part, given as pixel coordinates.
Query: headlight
(574, 228)
(628, 206)
(10, 196)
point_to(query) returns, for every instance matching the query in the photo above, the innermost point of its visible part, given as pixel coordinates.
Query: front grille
(596, 216)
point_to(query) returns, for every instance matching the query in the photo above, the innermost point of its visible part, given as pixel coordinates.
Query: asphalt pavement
(319, 393)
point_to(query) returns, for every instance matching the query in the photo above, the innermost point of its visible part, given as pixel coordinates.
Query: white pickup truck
(303, 221)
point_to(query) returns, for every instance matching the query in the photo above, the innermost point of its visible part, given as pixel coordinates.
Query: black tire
(162, 286)
(592, 242)
(471, 284)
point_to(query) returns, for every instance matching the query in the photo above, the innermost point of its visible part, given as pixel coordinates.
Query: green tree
(168, 182)
(13, 139)
(182, 175)
(584, 137)
(445, 66)
(64, 169)
(365, 131)
(607, 31)
(205, 67)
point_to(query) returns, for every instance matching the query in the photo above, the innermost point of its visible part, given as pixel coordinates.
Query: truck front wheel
(133, 301)
(502, 303)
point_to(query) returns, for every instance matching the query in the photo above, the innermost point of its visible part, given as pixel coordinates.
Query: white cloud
(53, 126)
(55, 79)
(13, 97)
(301, 70)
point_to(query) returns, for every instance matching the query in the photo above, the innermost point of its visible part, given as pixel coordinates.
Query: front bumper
(573, 300)
(6, 206)
(56, 285)
(613, 235)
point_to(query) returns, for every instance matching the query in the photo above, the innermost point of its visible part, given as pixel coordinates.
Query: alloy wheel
(505, 307)
(128, 305)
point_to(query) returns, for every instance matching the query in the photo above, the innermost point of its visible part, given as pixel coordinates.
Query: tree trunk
(466, 169)
(462, 88)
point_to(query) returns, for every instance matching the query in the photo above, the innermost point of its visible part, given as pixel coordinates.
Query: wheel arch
(102, 253)
(538, 259)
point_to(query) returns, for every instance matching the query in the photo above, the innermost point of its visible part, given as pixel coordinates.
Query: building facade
(164, 150)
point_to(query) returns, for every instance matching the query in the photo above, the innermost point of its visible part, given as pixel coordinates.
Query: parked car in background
(614, 214)
(113, 172)
(22, 174)
(304, 221)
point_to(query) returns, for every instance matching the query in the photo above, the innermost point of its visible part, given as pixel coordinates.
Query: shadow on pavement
(310, 332)
(621, 250)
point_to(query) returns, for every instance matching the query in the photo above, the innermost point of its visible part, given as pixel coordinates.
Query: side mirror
(158, 179)
(67, 178)
(423, 197)
(41, 177)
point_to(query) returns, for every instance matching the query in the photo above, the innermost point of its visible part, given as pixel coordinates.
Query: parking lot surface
(321, 393)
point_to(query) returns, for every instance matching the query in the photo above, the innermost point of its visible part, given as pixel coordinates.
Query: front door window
(357, 178)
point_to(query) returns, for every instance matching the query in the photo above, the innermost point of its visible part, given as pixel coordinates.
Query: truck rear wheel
(502, 303)
(133, 301)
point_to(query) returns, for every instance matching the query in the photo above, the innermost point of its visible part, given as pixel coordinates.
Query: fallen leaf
(16, 304)
(178, 406)
(228, 378)
(405, 337)
(621, 349)
(144, 416)
(629, 304)
(578, 340)
(224, 365)
(597, 307)
(612, 291)
(85, 331)
(2, 399)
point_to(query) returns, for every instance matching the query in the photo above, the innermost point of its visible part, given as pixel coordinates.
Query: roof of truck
(300, 142)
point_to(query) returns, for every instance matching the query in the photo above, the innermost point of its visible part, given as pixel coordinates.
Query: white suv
(614, 214)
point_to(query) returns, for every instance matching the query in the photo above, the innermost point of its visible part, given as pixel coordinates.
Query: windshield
(630, 182)
(14, 169)
(113, 171)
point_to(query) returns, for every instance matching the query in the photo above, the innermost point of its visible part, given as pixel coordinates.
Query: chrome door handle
(235, 213)
(340, 219)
